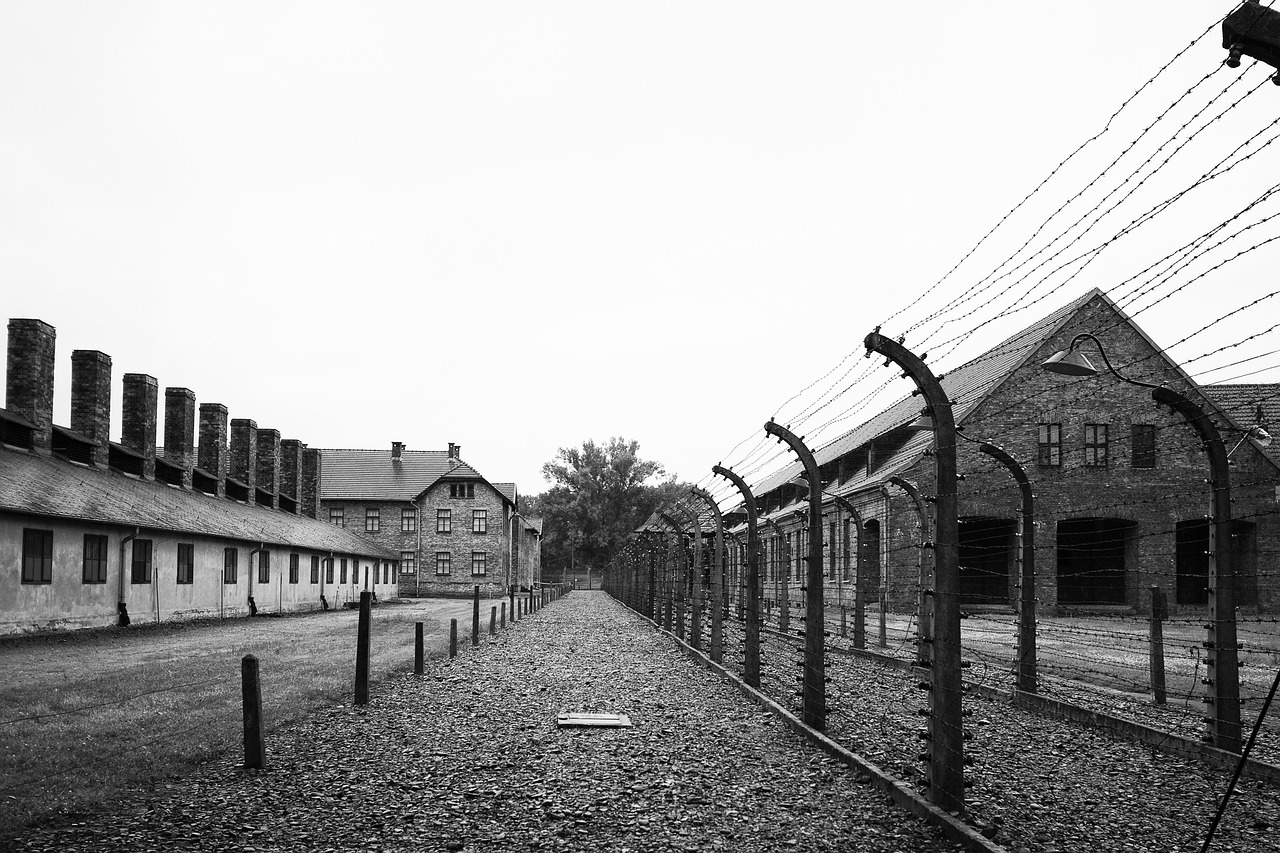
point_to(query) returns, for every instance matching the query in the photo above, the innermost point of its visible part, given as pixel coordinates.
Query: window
(1144, 446)
(386, 572)
(230, 567)
(338, 516)
(343, 577)
(37, 556)
(95, 558)
(830, 545)
(355, 571)
(444, 521)
(408, 520)
(478, 562)
(443, 558)
(479, 521)
(264, 567)
(372, 520)
(462, 490)
(1095, 445)
(1049, 451)
(328, 571)
(140, 570)
(315, 570)
(186, 562)
(408, 559)
(293, 568)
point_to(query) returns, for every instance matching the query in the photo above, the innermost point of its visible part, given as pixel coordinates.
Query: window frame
(1049, 445)
(480, 522)
(264, 566)
(372, 519)
(188, 550)
(328, 570)
(338, 515)
(408, 520)
(342, 574)
(480, 559)
(293, 568)
(315, 569)
(1096, 446)
(444, 520)
(37, 557)
(444, 559)
(230, 565)
(1142, 446)
(408, 562)
(94, 568)
(146, 549)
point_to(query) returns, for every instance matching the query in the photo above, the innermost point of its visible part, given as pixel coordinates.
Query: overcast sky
(519, 225)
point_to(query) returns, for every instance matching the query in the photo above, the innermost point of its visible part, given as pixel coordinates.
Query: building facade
(96, 533)
(1121, 502)
(451, 528)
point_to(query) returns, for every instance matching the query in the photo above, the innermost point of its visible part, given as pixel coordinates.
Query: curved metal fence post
(946, 720)
(718, 602)
(751, 590)
(1027, 575)
(815, 667)
(924, 602)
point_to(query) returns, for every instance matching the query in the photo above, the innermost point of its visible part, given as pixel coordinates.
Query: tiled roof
(1252, 404)
(374, 475)
(966, 386)
(508, 491)
(48, 486)
(534, 524)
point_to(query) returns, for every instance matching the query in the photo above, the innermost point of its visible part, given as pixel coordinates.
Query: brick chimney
(29, 381)
(268, 463)
(397, 450)
(213, 443)
(291, 468)
(180, 430)
(138, 419)
(309, 500)
(91, 400)
(244, 452)
(455, 451)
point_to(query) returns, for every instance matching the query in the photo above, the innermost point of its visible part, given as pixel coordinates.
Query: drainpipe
(253, 605)
(122, 607)
(417, 556)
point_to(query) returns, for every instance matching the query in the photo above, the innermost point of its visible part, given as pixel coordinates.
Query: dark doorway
(1092, 560)
(871, 556)
(986, 554)
(1193, 562)
(1192, 549)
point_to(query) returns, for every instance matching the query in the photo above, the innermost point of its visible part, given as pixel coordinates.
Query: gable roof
(48, 486)
(1251, 404)
(374, 475)
(966, 386)
(507, 490)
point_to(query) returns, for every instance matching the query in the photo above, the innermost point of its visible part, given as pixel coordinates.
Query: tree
(600, 494)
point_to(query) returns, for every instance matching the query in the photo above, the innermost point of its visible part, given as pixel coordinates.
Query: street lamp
(1223, 673)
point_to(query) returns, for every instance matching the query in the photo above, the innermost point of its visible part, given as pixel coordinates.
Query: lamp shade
(1069, 364)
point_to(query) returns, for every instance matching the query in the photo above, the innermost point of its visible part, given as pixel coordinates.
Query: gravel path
(1039, 785)
(468, 757)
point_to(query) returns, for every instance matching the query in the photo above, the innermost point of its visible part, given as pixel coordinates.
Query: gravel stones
(469, 757)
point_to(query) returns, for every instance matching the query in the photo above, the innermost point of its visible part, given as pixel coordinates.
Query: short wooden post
(502, 616)
(512, 593)
(1159, 613)
(417, 648)
(453, 638)
(362, 649)
(475, 617)
(255, 751)
(493, 621)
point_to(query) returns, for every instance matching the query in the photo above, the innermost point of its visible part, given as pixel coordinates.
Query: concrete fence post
(255, 753)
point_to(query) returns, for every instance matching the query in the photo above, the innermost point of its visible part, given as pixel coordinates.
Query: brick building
(1121, 500)
(92, 530)
(451, 528)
